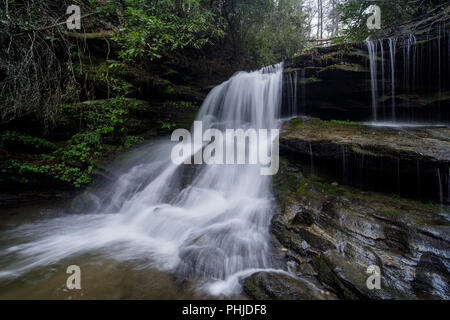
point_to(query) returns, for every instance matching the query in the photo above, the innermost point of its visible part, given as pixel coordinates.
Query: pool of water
(101, 276)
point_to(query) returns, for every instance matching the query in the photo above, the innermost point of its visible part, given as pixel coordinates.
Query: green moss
(347, 67)
(298, 123)
(182, 104)
(391, 212)
(346, 122)
(302, 123)
(251, 287)
(170, 90)
(23, 139)
(302, 188)
(363, 151)
(90, 35)
(57, 171)
(309, 80)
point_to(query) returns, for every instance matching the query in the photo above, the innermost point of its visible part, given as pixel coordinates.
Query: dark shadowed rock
(346, 230)
(427, 144)
(432, 278)
(277, 286)
(412, 161)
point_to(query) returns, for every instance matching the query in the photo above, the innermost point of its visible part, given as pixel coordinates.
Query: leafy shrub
(14, 138)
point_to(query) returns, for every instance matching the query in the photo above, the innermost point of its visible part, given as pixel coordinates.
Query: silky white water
(208, 222)
(372, 48)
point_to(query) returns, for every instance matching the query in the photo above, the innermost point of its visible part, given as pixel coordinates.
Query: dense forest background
(71, 97)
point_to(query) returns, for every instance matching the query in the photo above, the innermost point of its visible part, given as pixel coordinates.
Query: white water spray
(372, 48)
(392, 44)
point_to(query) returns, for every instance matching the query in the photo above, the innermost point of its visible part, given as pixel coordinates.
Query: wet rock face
(432, 277)
(333, 234)
(341, 73)
(411, 161)
(277, 286)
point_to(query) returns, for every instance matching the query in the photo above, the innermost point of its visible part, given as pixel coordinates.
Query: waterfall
(392, 44)
(311, 157)
(382, 72)
(303, 91)
(294, 98)
(439, 58)
(372, 48)
(441, 192)
(408, 79)
(211, 227)
(408, 75)
(344, 165)
(418, 179)
(291, 94)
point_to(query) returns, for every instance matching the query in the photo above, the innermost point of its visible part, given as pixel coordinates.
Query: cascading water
(382, 73)
(392, 44)
(311, 157)
(213, 227)
(439, 58)
(303, 91)
(372, 48)
(291, 93)
(441, 193)
(295, 89)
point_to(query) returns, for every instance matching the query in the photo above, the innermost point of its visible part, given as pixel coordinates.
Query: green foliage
(109, 75)
(345, 122)
(26, 140)
(129, 141)
(270, 31)
(149, 29)
(76, 152)
(263, 31)
(102, 119)
(168, 125)
(59, 171)
(354, 15)
(102, 130)
(182, 104)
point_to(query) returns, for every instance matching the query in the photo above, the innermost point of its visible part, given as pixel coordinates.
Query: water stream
(392, 44)
(372, 47)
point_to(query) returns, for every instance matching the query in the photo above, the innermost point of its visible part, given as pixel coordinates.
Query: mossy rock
(278, 286)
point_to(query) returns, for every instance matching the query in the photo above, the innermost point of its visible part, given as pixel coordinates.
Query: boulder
(280, 286)
(339, 232)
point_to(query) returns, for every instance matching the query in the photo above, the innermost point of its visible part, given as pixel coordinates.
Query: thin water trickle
(441, 193)
(292, 96)
(392, 44)
(382, 74)
(344, 165)
(303, 92)
(295, 98)
(372, 48)
(311, 156)
(439, 57)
